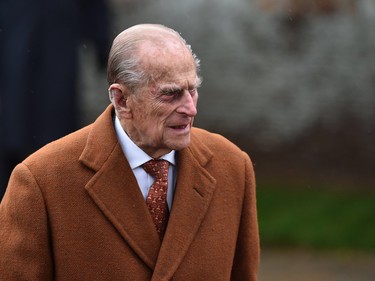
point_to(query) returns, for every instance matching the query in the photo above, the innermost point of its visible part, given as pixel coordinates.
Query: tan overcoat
(73, 211)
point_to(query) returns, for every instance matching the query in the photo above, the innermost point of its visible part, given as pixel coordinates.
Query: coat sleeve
(25, 251)
(246, 259)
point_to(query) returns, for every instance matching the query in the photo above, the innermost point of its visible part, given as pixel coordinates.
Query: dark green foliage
(316, 218)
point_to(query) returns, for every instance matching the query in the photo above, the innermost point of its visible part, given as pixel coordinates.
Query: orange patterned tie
(157, 196)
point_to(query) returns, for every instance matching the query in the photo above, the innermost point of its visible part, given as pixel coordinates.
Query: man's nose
(188, 104)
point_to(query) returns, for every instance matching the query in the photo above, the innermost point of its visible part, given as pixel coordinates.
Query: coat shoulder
(205, 143)
(213, 141)
(61, 150)
(98, 137)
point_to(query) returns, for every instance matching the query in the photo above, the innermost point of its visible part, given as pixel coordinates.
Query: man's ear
(118, 94)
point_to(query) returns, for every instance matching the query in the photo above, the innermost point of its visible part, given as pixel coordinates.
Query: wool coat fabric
(73, 211)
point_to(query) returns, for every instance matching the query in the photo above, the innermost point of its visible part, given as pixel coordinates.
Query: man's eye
(172, 93)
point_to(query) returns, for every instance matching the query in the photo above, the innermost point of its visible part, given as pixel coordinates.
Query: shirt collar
(136, 156)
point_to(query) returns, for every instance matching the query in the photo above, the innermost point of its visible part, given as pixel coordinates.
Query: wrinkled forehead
(167, 60)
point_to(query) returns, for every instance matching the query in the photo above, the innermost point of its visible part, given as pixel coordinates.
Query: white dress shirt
(137, 157)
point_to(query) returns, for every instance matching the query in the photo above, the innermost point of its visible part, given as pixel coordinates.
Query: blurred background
(291, 82)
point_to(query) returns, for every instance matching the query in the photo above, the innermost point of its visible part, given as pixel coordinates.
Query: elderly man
(139, 194)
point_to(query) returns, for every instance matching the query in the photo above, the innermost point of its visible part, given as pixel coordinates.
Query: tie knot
(157, 168)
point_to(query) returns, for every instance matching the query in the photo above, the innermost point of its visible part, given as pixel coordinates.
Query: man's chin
(179, 144)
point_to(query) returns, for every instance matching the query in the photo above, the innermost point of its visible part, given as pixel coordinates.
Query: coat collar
(115, 191)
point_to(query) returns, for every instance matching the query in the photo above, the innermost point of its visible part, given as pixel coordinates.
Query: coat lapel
(192, 198)
(115, 191)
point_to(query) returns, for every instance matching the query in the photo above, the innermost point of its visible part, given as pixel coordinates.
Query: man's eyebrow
(175, 87)
(169, 88)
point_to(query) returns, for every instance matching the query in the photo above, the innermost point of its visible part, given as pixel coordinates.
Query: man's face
(162, 112)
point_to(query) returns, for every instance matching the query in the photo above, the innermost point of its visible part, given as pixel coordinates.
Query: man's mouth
(179, 127)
